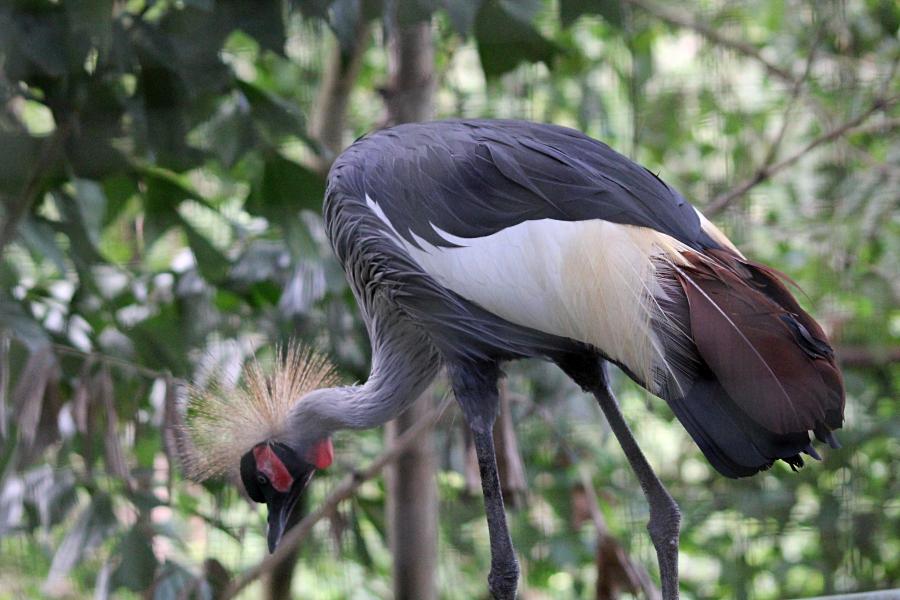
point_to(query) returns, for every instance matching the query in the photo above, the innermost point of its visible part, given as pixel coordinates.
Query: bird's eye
(262, 479)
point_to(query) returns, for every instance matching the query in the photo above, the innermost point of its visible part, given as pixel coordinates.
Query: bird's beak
(281, 511)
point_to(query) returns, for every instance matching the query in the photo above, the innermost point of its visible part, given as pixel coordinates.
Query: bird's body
(469, 243)
(506, 239)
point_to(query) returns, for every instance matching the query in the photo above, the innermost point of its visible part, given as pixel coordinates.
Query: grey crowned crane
(470, 243)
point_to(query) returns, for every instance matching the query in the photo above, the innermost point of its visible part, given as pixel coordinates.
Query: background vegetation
(161, 170)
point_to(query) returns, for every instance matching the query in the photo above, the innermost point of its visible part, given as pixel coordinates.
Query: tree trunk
(328, 121)
(412, 509)
(408, 96)
(412, 492)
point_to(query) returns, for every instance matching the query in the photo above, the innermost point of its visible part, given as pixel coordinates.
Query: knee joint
(503, 581)
(665, 523)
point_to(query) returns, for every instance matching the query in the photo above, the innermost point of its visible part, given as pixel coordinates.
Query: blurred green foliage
(161, 219)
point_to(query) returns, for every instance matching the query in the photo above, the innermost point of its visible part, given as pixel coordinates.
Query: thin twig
(775, 145)
(113, 360)
(343, 491)
(792, 102)
(768, 170)
(882, 126)
(867, 357)
(681, 19)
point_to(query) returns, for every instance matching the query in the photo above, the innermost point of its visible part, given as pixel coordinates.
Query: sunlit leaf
(94, 525)
(506, 39)
(138, 563)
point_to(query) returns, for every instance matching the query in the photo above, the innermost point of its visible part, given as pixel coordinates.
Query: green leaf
(93, 18)
(138, 566)
(98, 145)
(212, 263)
(165, 192)
(263, 20)
(462, 14)
(229, 133)
(206, 5)
(118, 189)
(34, 50)
(363, 556)
(505, 39)
(263, 294)
(175, 582)
(19, 152)
(75, 211)
(193, 38)
(14, 318)
(91, 203)
(274, 116)
(610, 10)
(887, 14)
(40, 237)
(284, 189)
(93, 526)
(161, 341)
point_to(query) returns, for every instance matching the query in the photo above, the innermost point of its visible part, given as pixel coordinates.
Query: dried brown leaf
(115, 457)
(28, 395)
(81, 397)
(4, 380)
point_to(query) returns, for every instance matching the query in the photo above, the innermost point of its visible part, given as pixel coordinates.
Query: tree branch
(882, 126)
(681, 19)
(116, 361)
(792, 101)
(17, 210)
(867, 356)
(343, 491)
(766, 171)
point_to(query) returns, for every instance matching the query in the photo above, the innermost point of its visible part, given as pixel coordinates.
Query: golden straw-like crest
(224, 421)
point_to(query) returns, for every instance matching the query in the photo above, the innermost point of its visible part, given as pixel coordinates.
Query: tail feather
(732, 442)
(763, 373)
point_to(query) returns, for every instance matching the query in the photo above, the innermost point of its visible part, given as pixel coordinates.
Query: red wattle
(322, 453)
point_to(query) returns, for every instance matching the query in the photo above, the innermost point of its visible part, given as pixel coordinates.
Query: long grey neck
(403, 364)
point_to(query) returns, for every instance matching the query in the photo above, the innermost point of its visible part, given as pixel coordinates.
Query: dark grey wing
(474, 178)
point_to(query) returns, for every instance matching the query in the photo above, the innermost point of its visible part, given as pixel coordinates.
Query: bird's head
(276, 474)
(251, 427)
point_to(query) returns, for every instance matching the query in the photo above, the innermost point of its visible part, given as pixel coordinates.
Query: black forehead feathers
(248, 477)
(292, 461)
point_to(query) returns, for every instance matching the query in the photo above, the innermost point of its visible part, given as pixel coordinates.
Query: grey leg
(504, 575)
(665, 517)
(475, 386)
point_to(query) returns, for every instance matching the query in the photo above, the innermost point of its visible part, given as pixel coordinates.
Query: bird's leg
(504, 575)
(475, 386)
(665, 517)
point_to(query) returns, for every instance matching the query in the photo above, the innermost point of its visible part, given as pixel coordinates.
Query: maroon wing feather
(771, 357)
